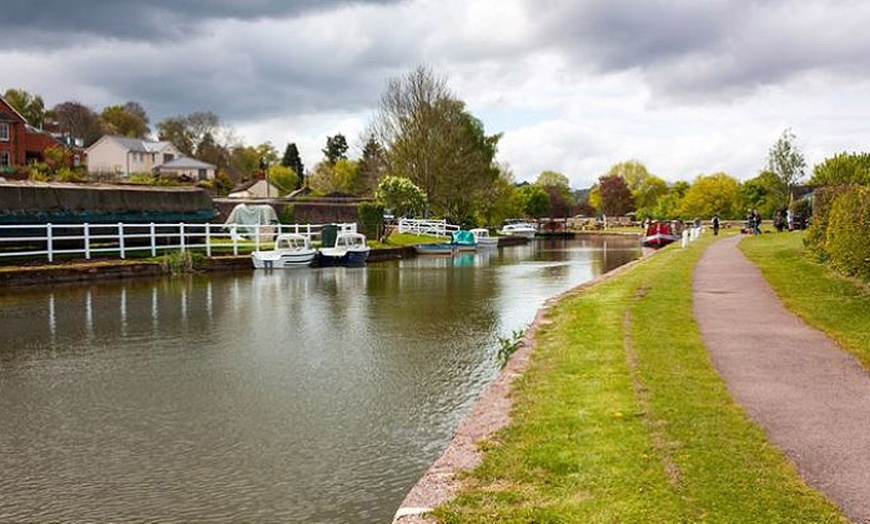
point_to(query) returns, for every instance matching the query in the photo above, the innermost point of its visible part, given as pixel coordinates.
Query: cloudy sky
(687, 87)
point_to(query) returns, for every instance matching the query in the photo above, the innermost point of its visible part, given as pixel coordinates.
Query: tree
(648, 193)
(336, 148)
(400, 196)
(346, 173)
(717, 194)
(284, 178)
(558, 187)
(632, 171)
(432, 140)
(668, 205)
(127, 120)
(615, 195)
(843, 169)
(535, 201)
(372, 165)
(554, 179)
(31, 107)
(500, 200)
(77, 121)
(786, 162)
(292, 160)
(761, 193)
(187, 132)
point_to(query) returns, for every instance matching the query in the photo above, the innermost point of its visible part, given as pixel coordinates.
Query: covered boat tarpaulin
(463, 238)
(248, 216)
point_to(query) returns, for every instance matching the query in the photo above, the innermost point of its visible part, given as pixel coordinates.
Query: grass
(837, 305)
(407, 239)
(621, 418)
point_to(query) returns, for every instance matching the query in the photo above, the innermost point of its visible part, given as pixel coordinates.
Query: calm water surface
(316, 395)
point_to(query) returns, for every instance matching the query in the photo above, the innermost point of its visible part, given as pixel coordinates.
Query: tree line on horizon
(423, 133)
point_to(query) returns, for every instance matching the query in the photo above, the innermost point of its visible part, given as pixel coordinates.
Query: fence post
(181, 235)
(121, 239)
(153, 241)
(49, 242)
(87, 241)
(208, 239)
(235, 240)
(257, 238)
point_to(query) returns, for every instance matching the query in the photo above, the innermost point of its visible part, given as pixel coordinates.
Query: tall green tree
(786, 161)
(336, 148)
(435, 142)
(500, 200)
(372, 165)
(400, 196)
(31, 107)
(284, 178)
(293, 160)
(843, 169)
(535, 201)
(763, 193)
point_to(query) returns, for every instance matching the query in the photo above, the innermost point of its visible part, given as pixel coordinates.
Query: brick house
(13, 137)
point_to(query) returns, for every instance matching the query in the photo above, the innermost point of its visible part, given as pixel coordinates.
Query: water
(316, 395)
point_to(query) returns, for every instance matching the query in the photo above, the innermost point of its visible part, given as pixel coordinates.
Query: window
(4, 132)
(4, 158)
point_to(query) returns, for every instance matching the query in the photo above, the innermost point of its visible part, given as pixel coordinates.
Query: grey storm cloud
(25, 23)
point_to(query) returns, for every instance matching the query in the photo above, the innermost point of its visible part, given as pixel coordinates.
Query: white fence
(426, 227)
(108, 240)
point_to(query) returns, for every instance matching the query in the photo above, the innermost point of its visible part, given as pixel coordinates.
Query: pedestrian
(715, 222)
(756, 222)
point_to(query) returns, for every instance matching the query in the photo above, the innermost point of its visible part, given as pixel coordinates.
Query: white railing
(122, 239)
(426, 227)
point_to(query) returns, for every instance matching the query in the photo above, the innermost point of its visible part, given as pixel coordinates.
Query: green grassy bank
(621, 418)
(834, 304)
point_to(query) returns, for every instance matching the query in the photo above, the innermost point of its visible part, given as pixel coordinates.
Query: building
(187, 169)
(122, 156)
(257, 188)
(13, 137)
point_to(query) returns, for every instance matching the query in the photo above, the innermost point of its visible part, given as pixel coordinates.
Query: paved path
(812, 398)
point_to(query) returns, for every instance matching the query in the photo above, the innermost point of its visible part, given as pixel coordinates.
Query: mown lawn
(831, 303)
(621, 419)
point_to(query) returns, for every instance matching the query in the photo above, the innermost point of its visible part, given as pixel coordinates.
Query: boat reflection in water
(315, 395)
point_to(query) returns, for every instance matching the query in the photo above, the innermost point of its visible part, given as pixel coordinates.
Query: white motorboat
(518, 229)
(482, 238)
(350, 249)
(291, 251)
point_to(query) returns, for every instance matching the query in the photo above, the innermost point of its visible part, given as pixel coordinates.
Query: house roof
(137, 145)
(187, 163)
(5, 116)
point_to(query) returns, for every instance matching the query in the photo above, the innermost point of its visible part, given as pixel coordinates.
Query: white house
(124, 156)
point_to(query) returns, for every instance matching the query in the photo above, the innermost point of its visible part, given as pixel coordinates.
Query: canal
(316, 395)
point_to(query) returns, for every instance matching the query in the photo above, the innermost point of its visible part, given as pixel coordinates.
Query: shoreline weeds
(489, 414)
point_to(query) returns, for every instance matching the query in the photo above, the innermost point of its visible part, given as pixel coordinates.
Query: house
(13, 137)
(187, 169)
(257, 188)
(124, 156)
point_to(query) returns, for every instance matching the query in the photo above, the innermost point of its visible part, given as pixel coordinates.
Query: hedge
(371, 218)
(847, 238)
(823, 199)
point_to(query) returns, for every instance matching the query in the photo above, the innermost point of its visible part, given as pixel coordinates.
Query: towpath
(811, 397)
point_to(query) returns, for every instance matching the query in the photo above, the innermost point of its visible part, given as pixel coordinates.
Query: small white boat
(350, 249)
(482, 238)
(291, 250)
(519, 229)
(445, 248)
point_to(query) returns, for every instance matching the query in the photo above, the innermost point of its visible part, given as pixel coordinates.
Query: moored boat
(463, 240)
(660, 234)
(443, 248)
(291, 251)
(482, 238)
(516, 228)
(350, 249)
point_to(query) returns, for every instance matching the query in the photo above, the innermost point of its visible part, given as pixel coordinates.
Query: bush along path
(621, 417)
(811, 397)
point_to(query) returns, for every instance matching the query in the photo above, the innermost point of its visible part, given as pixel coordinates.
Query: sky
(687, 87)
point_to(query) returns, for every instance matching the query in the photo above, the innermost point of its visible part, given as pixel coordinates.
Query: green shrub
(288, 214)
(823, 199)
(847, 241)
(371, 218)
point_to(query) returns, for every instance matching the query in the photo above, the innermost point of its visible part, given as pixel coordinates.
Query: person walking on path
(811, 397)
(715, 222)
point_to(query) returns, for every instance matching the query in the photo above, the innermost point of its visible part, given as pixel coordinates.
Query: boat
(350, 249)
(463, 240)
(660, 234)
(482, 238)
(291, 251)
(443, 248)
(518, 229)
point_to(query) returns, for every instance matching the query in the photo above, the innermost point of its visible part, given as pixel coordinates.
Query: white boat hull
(282, 260)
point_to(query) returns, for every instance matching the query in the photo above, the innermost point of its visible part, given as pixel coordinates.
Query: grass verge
(621, 418)
(837, 305)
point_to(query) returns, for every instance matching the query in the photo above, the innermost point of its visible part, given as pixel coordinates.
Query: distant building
(257, 188)
(187, 169)
(13, 137)
(122, 156)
